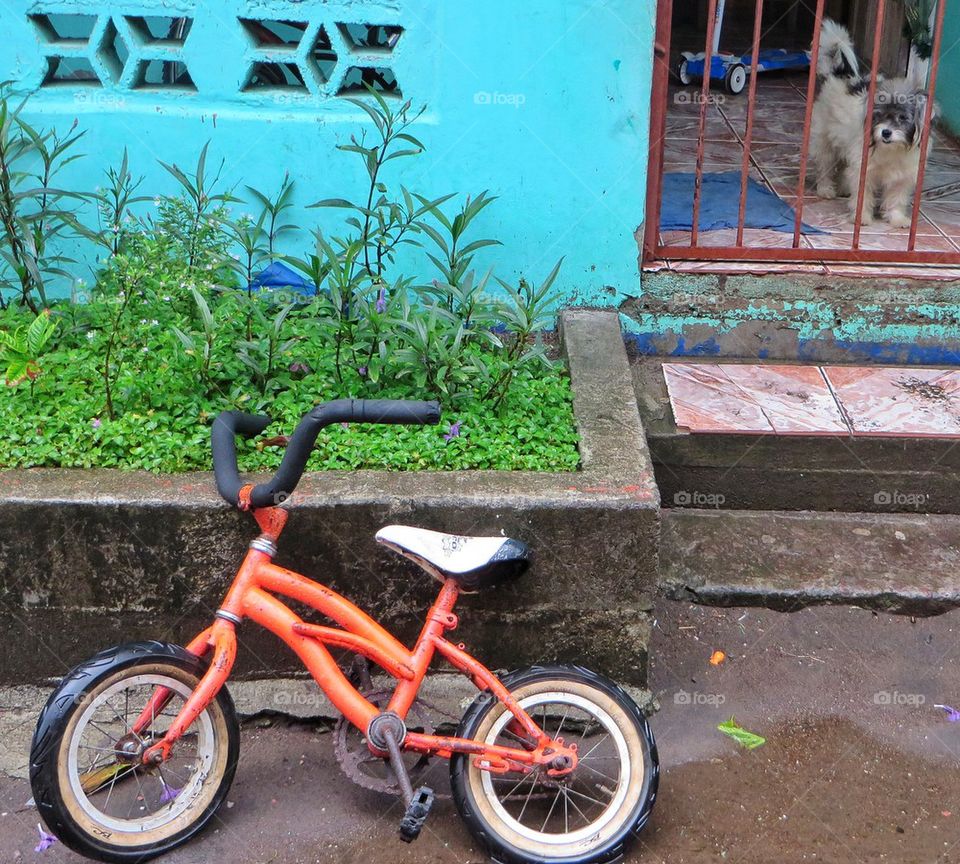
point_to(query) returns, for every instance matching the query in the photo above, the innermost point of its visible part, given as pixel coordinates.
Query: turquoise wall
(948, 80)
(545, 103)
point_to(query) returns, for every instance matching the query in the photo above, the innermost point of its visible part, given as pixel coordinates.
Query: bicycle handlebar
(229, 424)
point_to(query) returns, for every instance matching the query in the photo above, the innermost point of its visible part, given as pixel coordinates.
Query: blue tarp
(277, 276)
(720, 204)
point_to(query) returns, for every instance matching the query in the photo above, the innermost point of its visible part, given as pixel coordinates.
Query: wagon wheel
(736, 79)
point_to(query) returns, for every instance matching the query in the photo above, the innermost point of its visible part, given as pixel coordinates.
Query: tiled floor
(775, 162)
(812, 400)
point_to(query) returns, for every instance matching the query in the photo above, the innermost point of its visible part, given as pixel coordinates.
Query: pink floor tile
(890, 402)
(762, 399)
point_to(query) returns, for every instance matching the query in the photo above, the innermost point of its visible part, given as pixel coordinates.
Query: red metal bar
(787, 254)
(748, 134)
(704, 99)
(807, 117)
(658, 127)
(927, 122)
(868, 123)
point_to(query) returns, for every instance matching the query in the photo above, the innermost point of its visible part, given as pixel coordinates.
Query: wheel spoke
(573, 791)
(574, 803)
(585, 755)
(525, 803)
(600, 773)
(550, 811)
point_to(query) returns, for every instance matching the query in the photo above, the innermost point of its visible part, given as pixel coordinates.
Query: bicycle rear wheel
(588, 816)
(88, 782)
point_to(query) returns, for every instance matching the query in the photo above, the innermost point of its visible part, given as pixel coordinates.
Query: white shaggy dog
(836, 133)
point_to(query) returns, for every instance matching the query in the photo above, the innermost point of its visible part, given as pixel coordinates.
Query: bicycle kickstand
(418, 802)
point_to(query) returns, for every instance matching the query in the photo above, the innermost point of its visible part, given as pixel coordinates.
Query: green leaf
(335, 202)
(746, 739)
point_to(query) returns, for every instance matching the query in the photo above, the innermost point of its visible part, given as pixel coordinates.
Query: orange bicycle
(136, 749)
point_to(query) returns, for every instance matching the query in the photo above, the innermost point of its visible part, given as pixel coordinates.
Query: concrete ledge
(90, 558)
(896, 562)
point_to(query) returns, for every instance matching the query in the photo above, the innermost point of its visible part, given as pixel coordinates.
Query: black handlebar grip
(301, 442)
(223, 442)
(398, 411)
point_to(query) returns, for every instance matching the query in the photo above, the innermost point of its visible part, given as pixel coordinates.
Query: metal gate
(740, 249)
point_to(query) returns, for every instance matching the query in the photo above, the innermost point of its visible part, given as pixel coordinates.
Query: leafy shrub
(166, 340)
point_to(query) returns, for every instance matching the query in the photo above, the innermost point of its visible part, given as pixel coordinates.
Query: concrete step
(903, 563)
(816, 472)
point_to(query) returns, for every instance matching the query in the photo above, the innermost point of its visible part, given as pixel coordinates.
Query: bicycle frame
(251, 596)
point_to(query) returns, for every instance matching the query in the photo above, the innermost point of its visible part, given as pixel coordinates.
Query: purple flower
(362, 371)
(46, 840)
(953, 715)
(96, 423)
(301, 368)
(168, 793)
(382, 301)
(453, 433)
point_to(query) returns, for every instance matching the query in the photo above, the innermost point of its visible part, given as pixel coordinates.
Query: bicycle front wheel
(587, 816)
(88, 782)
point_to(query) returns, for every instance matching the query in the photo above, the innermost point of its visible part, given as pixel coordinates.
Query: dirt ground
(859, 766)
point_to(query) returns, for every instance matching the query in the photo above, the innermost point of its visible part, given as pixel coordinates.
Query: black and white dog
(836, 132)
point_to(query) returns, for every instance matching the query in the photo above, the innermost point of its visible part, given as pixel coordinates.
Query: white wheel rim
(186, 796)
(591, 834)
(738, 79)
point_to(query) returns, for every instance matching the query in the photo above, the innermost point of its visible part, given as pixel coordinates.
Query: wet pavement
(859, 766)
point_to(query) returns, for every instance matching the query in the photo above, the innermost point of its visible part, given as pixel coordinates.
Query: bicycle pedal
(417, 811)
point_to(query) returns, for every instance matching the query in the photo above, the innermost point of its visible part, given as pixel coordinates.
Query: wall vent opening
(65, 29)
(371, 38)
(161, 29)
(359, 78)
(163, 75)
(70, 70)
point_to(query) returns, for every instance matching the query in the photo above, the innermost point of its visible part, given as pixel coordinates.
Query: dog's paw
(866, 218)
(899, 219)
(825, 189)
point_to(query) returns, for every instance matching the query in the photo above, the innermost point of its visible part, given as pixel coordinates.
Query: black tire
(498, 838)
(71, 815)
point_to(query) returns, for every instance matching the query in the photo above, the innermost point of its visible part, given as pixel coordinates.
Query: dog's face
(898, 116)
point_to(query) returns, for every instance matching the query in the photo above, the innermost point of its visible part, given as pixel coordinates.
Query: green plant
(525, 313)
(201, 347)
(114, 203)
(196, 218)
(22, 349)
(261, 352)
(272, 213)
(457, 260)
(383, 222)
(32, 212)
(250, 237)
(125, 278)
